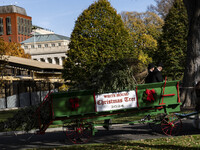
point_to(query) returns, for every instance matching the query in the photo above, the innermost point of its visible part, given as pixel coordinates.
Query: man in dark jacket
(149, 78)
(157, 74)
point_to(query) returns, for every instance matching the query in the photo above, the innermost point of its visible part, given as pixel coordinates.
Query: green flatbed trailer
(78, 111)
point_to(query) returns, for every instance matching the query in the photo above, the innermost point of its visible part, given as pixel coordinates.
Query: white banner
(115, 101)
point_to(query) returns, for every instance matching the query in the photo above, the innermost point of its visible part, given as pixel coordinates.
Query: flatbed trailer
(78, 111)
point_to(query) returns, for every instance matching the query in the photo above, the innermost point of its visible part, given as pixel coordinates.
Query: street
(58, 138)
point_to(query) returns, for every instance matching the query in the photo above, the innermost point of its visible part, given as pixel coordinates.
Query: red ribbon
(74, 103)
(150, 94)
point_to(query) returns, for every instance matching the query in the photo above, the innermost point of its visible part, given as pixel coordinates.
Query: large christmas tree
(98, 39)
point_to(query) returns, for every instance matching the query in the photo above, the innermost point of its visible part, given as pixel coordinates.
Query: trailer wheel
(79, 133)
(155, 125)
(171, 125)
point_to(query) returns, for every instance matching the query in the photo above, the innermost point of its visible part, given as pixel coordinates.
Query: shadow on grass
(155, 146)
(124, 146)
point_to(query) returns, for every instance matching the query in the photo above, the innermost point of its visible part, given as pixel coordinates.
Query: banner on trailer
(115, 101)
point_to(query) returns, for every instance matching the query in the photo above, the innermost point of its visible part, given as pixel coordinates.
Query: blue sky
(60, 15)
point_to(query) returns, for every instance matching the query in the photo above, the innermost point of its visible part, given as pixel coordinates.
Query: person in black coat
(149, 78)
(157, 74)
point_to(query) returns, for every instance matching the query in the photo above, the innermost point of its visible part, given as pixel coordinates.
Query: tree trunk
(192, 70)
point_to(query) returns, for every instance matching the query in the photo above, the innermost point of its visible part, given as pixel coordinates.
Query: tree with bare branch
(161, 8)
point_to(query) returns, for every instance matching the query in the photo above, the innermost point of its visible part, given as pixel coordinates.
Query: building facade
(27, 82)
(46, 47)
(18, 68)
(15, 25)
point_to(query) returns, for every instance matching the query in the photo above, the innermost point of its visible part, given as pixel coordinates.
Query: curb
(7, 109)
(47, 131)
(32, 131)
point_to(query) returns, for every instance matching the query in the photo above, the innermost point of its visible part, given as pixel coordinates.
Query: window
(19, 29)
(39, 46)
(18, 38)
(9, 39)
(8, 26)
(32, 46)
(1, 30)
(46, 45)
(63, 59)
(22, 32)
(25, 30)
(18, 20)
(22, 39)
(1, 20)
(18, 72)
(8, 20)
(57, 60)
(53, 45)
(49, 60)
(9, 30)
(59, 44)
(25, 47)
(29, 31)
(1, 26)
(13, 71)
(42, 60)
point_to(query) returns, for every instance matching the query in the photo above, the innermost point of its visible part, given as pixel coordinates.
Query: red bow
(150, 94)
(74, 103)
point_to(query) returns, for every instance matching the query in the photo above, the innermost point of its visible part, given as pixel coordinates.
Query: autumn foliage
(12, 49)
(145, 29)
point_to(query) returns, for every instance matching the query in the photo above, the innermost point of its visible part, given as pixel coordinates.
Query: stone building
(46, 46)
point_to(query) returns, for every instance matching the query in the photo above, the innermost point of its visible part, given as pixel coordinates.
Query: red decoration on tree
(74, 103)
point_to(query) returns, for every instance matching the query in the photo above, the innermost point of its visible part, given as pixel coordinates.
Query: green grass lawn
(191, 142)
(4, 115)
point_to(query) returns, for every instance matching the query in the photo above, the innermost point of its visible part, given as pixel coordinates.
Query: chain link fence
(25, 93)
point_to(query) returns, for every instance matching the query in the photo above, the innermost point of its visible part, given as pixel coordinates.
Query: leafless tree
(161, 8)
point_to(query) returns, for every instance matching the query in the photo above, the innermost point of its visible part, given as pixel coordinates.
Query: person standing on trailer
(149, 78)
(157, 74)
